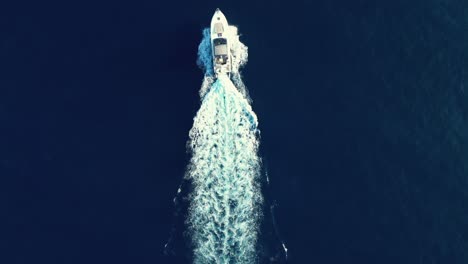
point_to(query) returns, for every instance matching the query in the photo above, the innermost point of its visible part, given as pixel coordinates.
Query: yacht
(220, 44)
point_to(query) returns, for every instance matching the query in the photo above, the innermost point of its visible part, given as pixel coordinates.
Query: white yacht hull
(220, 44)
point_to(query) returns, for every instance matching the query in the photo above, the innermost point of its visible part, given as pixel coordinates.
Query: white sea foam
(225, 204)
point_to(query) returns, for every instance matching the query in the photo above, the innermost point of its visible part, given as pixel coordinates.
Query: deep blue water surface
(363, 109)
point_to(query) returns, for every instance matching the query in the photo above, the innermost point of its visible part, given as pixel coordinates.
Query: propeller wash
(225, 201)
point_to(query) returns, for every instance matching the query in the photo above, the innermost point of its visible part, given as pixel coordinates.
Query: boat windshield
(220, 46)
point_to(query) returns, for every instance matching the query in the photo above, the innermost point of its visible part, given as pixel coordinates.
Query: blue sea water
(362, 108)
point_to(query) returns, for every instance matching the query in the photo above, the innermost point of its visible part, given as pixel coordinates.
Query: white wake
(225, 203)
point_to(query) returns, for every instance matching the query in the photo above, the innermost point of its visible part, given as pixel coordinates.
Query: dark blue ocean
(362, 107)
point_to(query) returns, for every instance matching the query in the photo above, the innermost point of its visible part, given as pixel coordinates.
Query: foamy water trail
(225, 203)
